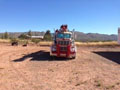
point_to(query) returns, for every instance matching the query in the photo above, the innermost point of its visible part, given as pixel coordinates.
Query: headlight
(53, 48)
(72, 49)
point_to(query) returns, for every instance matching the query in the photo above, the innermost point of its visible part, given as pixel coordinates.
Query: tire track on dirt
(19, 73)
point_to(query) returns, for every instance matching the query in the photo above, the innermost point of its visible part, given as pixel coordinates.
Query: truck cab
(63, 43)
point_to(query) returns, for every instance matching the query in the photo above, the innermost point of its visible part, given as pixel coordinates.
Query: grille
(63, 48)
(63, 42)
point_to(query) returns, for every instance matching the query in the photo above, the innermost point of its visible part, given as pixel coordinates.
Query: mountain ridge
(79, 36)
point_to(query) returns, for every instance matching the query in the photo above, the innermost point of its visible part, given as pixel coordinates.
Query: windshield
(61, 35)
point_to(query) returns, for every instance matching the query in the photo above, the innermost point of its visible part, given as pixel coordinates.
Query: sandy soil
(32, 68)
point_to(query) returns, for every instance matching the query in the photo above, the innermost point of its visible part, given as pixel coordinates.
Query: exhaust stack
(119, 35)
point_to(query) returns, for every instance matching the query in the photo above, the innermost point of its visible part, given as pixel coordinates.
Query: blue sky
(95, 16)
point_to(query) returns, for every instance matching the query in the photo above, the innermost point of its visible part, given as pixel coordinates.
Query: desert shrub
(36, 41)
(23, 42)
(14, 40)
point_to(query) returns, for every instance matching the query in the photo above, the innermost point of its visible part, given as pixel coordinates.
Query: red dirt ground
(32, 68)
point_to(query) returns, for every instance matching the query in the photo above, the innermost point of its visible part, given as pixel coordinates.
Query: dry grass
(113, 43)
(4, 40)
(48, 43)
(44, 43)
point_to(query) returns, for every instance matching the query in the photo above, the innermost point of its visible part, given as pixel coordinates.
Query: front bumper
(63, 55)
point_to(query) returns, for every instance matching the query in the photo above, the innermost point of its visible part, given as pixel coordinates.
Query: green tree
(30, 33)
(6, 36)
(23, 36)
(48, 36)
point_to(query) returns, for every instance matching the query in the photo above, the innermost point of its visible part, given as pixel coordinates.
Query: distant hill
(79, 36)
(17, 34)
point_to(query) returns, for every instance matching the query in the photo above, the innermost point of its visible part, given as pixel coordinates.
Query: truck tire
(74, 57)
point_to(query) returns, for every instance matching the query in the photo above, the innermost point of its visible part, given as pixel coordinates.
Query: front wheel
(74, 57)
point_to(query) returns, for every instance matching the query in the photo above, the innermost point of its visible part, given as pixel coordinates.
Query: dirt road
(32, 68)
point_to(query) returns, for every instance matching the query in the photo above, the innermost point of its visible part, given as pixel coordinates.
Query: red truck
(63, 43)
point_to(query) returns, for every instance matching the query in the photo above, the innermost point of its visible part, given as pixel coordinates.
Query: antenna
(73, 33)
(119, 35)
